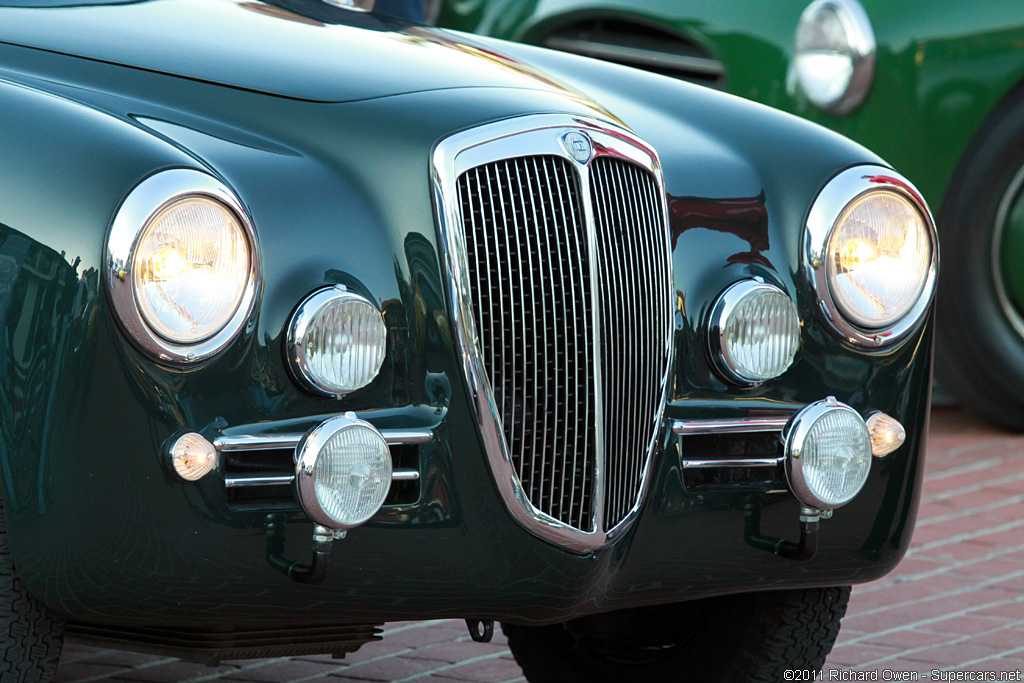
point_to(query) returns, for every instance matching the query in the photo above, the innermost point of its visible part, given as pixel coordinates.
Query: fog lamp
(336, 341)
(342, 472)
(192, 456)
(754, 332)
(828, 454)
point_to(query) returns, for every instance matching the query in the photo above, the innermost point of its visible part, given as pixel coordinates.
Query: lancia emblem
(578, 145)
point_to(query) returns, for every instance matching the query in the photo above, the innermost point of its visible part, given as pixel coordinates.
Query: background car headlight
(834, 55)
(181, 265)
(871, 254)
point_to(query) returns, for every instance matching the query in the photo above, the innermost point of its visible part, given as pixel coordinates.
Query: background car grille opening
(639, 46)
(532, 287)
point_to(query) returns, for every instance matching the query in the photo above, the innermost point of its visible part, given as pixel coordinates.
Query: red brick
(457, 652)
(78, 671)
(386, 669)
(486, 671)
(281, 672)
(855, 655)
(966, 625)
(910, 639)
(951, 655)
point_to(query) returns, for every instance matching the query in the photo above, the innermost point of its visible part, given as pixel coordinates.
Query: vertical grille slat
(540, 257)
(630, 233)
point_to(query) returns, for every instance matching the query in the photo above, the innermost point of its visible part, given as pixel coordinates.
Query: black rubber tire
(31, 636)
(979, 355)
(749, 638)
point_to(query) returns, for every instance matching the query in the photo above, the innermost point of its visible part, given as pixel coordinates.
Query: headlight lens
(879, 256)
(754, 332)
(192, 265)
(834, 56)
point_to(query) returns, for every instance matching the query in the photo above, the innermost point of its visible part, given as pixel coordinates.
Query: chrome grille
(536, 268)
(633, 319)
(526, 242)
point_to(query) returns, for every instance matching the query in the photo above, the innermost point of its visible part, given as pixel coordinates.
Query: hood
(301, 49)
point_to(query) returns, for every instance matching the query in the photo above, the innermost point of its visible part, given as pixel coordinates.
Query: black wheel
(30, 635)
(979, 350)
(748, 638)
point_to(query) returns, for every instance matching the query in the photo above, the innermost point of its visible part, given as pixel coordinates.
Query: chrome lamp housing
(827, 454)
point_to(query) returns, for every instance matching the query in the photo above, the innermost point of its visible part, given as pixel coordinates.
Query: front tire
(31, 637)
(979, 349)
(749, 638)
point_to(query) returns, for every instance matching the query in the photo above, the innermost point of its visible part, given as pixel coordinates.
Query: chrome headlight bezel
(145, 201)
(822, 220)
(860, 38)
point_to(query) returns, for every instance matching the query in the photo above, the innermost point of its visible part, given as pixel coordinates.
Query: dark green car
(935, 88)
(314, 319)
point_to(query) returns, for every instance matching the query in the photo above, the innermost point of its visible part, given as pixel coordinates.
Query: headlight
(182, 265)
(754, 332)
(871, 255)
(834, 55)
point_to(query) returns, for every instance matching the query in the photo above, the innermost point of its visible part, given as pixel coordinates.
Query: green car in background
(935, 88)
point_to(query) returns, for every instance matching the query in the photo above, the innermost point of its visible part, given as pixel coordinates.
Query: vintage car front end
(288, 359)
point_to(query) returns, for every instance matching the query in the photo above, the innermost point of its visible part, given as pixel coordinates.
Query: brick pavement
(956, 601)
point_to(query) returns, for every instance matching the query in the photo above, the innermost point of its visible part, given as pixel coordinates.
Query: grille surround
(535, 136)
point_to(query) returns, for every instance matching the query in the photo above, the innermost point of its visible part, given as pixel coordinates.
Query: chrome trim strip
(528, 136)
(405, 474)
(729, 426)
(828, 206)
(258, 480)
(256, 443)
(650, 59)
(266, 442)
(397, 474)
(732, 462)
(143, 202)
